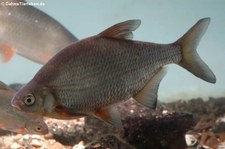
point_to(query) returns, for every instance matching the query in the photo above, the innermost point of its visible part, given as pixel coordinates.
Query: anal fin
(149, 94)
(6, 53)
(110, 115)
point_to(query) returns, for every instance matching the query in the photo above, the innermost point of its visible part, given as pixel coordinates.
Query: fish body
(31, 33)
(14, 120)
(91, 75)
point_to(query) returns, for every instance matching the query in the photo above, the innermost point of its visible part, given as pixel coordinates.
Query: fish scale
(106, 66)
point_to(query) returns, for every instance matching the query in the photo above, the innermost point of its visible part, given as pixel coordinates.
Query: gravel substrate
(197, 123)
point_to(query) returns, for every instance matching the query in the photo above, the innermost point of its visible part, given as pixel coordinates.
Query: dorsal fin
(3, 86)
(122, 30)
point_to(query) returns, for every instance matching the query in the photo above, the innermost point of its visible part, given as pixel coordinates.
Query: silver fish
(16, 121)
(16, 86)
(31, 33)
(92, 74)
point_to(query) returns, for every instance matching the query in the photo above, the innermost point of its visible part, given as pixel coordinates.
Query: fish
(92, 75)
(17, 121)
(16, 86)
(30, 33)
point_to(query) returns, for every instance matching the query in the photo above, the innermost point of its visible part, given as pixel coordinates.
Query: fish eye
(38, 128)
(29, 100)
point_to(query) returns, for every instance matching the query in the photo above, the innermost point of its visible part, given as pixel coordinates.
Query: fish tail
(190, 58)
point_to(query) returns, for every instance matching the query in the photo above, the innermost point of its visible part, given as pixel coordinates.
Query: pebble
(16, 146)
(80, 145)
(165, 112)
(25, 137)
(36, 143)
(221, 145)
(203, 147)
(37, 137)
(190, 140)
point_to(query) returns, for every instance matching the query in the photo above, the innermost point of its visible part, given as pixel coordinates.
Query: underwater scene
(99, 74)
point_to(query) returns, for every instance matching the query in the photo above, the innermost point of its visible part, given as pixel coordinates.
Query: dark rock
(161, 129)
(162, 132)
(197, 106)
(86, 129)
(220, 127)
(218, 106)
(68, 132)
(109, 142)
(143, 128)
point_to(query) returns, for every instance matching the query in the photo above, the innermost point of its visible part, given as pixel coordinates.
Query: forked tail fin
(190, 58)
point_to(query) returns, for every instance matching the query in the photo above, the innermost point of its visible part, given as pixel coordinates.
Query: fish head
(31, 99)
(36, 126)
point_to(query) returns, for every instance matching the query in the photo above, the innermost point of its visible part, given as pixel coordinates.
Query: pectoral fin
(21, 130)
(110, 115)
(65, 113)
(6, 53)
(148, 95)
(2, 125)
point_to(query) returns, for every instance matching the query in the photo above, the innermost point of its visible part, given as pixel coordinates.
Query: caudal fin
(190, 58)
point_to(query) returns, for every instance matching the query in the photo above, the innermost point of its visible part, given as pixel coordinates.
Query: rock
(71, 132)
(190, 140)
(221, 145)
(220, 127)
(25, 138)
(80, 145)
(68, 132)
(16, 146)
(160, 132)
(36, 143)
(108, 142)
(203, 147)
(144, 128)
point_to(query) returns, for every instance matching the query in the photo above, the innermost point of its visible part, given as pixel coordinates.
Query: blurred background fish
(16, 86)
(31, 33)
(16, 121)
